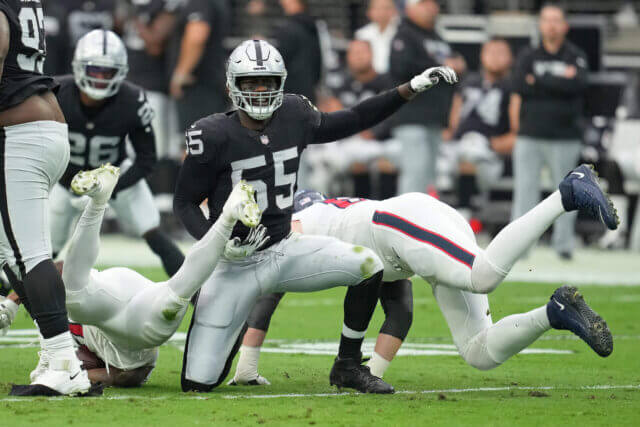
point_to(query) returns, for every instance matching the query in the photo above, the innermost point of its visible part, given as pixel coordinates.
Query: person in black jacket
(548, 83)
(298, 42)
(418, 126)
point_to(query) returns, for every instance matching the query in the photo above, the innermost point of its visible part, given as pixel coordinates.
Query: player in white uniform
(121, 316)
(417, 234)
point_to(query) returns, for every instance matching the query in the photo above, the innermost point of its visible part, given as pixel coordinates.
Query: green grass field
(570, 387)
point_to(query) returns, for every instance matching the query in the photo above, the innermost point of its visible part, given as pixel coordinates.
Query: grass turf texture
(532, 389)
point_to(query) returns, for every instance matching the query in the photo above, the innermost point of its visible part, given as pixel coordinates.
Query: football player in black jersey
(33, 155)
(102, 111)
(261, 142)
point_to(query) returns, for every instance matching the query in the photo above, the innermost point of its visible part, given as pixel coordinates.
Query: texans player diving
(415, 234)
(103, 111)
(118, 317)
(261, 141)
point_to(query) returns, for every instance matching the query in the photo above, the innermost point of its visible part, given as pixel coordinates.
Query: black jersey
(22, 71)
(221, 152)
(84, 16)
(55, 24)
(226, 152)
(146, 70)
(485, 106)
(551, 103)
(98, 136)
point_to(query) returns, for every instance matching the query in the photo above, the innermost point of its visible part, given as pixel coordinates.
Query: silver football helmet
(256, 58)
(100, 64)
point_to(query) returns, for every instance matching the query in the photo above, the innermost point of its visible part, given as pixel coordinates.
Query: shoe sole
(611, 208)
(87, 182)
(250, 212)
(600, 338)
(84, 183)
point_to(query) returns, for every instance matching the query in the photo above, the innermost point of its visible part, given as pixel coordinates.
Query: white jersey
(412, 234)
(112, 354)
(351, 220)
(106, 309)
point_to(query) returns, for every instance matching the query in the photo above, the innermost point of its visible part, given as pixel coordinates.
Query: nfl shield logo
(264, 139)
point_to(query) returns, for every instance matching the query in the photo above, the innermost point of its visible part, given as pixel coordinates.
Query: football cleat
(350, 373)
(567, 310)
(580, 191)
(241, 205)
(96, 183)
(61, 378)
(259, 380)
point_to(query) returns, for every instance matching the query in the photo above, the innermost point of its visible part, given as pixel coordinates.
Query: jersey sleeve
(197, 177)
(199, 10)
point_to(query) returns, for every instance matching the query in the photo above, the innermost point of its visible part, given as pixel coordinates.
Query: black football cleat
(350, 373)
(580, 191)
(567, 310)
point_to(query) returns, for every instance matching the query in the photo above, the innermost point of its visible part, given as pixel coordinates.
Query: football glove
(235, 249)
(431, 76)
(8, 310)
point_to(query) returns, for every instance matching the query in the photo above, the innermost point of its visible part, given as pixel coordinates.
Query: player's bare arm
(37, 107)
(5, 37)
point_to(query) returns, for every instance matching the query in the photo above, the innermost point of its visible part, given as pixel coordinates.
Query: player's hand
(431, 77)
(8, 310)
(178, 82)
(236, 249)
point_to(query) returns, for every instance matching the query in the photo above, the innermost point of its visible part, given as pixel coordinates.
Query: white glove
(8, 310)
(431, 77)
(237, 250)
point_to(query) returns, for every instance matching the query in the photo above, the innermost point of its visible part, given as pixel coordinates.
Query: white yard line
(178, 396)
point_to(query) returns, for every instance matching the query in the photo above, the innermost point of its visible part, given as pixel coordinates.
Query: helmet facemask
(97, 79)
(257, 95)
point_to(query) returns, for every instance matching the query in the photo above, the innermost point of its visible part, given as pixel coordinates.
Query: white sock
(61, 347)
(247, 368)
(378, 365)
(516, 238)
(514, 333)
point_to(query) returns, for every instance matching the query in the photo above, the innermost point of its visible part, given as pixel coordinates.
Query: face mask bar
(258, 105)
(97, 87)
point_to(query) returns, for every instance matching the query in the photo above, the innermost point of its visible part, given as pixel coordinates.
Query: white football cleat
(43, 366)
(241, 205)
(96, 183)
(259, 380)
(65, 377)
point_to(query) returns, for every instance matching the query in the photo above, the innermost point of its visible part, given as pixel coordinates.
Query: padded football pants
(298, 263)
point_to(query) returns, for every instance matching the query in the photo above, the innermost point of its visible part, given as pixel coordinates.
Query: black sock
(170, 255)
(45, 293)
(361, 185)
(466, 189)
(359, 305)
(388, 185)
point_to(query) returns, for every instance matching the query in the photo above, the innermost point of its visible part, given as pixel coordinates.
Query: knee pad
(371, 263)
(485, 276)
(475, 353)
(396, 299)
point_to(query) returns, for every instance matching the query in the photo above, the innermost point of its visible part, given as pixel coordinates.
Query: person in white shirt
(380, 31)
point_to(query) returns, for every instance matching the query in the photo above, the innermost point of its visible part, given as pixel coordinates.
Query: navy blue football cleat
(580, 191)
(567, 310)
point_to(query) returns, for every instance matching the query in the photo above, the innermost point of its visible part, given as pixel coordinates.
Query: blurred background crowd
(539, 93)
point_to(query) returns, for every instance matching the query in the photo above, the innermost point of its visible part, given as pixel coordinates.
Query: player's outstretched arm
(5, 38)
(371, 111)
